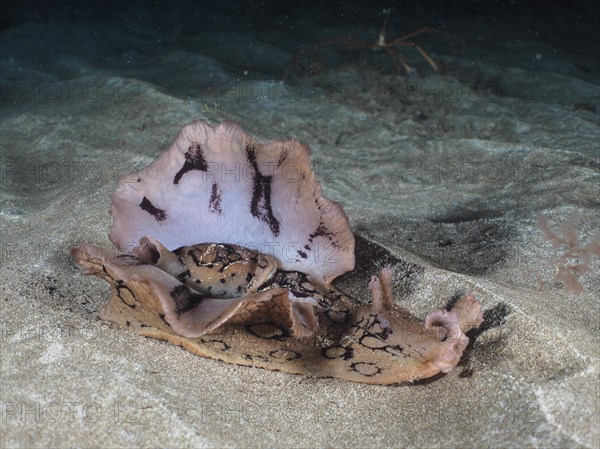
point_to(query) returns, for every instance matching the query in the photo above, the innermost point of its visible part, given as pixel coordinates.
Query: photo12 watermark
(30, 92)
(16, 332)
(62, 172)
(36, 412)
(258, 413)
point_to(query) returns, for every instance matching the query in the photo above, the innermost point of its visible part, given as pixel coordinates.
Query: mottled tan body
(378, 343)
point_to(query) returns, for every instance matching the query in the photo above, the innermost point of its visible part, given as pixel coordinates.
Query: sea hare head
(220, 185)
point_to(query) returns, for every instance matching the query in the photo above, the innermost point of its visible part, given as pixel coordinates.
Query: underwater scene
(305, 224)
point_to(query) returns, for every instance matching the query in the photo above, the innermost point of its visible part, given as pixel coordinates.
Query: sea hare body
(227, 247)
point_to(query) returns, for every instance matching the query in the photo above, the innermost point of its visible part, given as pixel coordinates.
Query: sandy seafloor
(443, 170)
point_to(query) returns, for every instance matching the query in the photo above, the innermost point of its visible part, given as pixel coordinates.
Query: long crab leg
(402, 39)
(403, 64)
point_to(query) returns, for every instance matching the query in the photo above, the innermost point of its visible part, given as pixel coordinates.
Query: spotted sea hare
(227, 247)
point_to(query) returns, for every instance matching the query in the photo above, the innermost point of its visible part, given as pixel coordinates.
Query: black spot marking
(249, 277)
(162, 317)
(158, 214)
(125, 294)
(184, 299)
(260, 205)
(302, 254)
(196, 257)
(372, 342)
(268, 331)
(214, 204)
(217, 344)
(256, 357)
(375, 327)
(365, 368)
(300, 286)
(283, 156)
(194, 160)
(374, 334)
(181, 276)
(285, 354)
(338, 352)
(322, 231)
(300, 294)
(154, 254)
